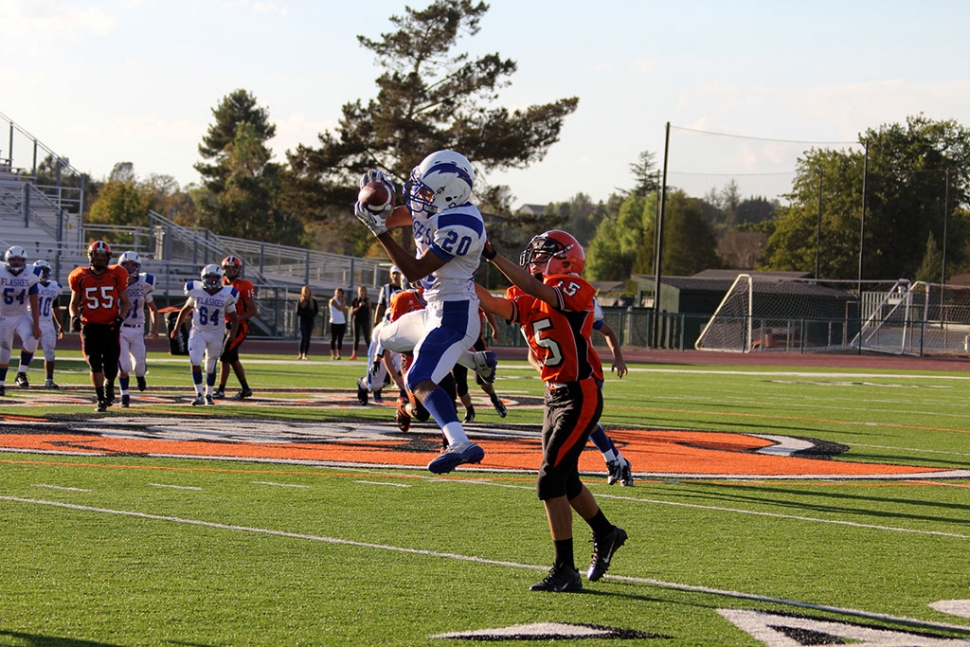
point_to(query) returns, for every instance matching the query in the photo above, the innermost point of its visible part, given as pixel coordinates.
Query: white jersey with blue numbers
(47, 296)
(456, 235)
(15, 290)
(140, 293)
(210, 309)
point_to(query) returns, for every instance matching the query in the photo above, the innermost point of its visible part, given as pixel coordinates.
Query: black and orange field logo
(656, 453)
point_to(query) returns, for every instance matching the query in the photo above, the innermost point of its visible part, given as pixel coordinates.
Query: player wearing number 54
(210, 303)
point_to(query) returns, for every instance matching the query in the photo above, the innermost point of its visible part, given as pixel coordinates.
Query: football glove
(488, 252)
(76, 323)
(375, 367)
(374, 221)
(374, 175)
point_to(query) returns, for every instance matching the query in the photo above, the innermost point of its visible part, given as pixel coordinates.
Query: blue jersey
(211, 309)
(15, 290)
(47, 295)
(457, 236)
(140, 293)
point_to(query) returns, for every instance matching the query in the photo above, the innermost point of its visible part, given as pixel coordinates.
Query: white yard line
(491, 562)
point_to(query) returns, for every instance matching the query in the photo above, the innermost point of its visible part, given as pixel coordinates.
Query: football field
(773, 505)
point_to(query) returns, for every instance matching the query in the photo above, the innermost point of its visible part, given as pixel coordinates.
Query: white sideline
(492, 562)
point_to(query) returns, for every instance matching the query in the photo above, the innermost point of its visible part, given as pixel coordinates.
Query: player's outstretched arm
(499, 306)
(613, 342)
(520, 277)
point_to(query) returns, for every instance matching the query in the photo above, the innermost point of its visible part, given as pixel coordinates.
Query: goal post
(774, 313)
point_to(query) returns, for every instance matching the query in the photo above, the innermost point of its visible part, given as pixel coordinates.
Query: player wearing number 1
(210, 302)
(99, 301)
(141, 286)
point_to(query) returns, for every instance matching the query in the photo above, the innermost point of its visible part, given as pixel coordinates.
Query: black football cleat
(22, 381)
(561, 579)
(603, 550)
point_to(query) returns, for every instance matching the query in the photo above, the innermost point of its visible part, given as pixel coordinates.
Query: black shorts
(101, 346)
(231, 353)
(571, 414)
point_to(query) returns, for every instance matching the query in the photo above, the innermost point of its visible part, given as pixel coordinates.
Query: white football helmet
(442, 180)
(15, 259)
(212, 277)
(45, 269)
(131, 261)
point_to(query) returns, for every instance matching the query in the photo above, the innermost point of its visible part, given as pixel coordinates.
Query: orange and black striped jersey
(246, 290)
(99, 294)
(560, 336)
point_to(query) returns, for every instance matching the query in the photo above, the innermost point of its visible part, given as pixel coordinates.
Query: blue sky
(108, 81)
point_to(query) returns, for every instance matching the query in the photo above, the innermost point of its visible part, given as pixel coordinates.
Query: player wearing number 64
(209, 302)
(449, 236)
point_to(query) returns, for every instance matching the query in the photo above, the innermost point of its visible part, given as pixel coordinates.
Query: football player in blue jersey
(449, 235)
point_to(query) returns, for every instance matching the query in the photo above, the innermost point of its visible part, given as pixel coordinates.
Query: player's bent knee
(554, 482)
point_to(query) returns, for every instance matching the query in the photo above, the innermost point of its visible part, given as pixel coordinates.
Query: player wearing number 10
(99, 301)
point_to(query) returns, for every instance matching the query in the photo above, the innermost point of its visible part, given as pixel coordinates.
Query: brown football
(376, 196)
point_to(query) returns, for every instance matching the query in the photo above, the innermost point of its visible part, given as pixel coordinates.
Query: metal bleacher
(45, 220)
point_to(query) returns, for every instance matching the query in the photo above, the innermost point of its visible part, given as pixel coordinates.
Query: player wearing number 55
(99, 302)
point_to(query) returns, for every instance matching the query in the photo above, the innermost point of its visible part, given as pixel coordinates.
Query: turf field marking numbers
(59, 487)
(272, 484)
(490, 562)
(176, 487)
(548, 631)
(777, 630)
(953, 607)
(383, 483)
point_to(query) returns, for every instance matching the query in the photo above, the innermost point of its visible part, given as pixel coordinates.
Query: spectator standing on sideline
(18, 285)
(557, 312)
(384, 298)
(338, 322)
(306, 311)
(51, 324)
(361, 311)
(99, 301)
(246, 309)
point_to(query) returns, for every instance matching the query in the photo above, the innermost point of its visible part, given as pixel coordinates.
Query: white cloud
(270, 7)
(297, 129)
(54, 20)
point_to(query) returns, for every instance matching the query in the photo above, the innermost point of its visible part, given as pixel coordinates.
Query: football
(376, 196)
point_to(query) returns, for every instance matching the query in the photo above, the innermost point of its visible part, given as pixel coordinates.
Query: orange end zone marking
(663, 452)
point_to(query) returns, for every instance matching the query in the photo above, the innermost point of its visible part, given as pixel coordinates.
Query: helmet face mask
(232, 267)
(553, 252)
(131, 261)
(15, 258)
(99, 254)
(442, 180)
(45, 270)
(212, 277)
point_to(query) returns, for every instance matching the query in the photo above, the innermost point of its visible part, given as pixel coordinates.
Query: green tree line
(433, 95)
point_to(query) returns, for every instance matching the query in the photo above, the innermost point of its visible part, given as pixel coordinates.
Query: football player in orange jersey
(557, 314)
(99, 301)
(246, 310)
